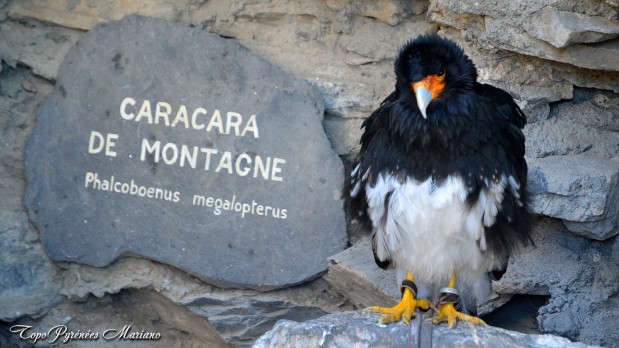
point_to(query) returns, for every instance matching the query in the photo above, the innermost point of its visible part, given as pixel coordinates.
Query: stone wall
(557, 58)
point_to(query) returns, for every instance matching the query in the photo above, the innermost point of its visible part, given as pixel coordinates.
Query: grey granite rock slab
(360, 329)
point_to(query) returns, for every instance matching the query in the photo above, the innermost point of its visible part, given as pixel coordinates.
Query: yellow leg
(447, 312)
(403, 310)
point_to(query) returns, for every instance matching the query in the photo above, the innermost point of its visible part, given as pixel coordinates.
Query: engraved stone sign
(170, 143)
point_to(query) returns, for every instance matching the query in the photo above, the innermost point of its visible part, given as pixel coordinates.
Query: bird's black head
(432, 70)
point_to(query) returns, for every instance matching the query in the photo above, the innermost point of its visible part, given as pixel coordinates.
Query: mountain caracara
(440, 182)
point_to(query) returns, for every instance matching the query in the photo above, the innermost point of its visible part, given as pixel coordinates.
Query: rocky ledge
(360, 329)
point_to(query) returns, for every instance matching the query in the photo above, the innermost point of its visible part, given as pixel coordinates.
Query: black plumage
(469, 133)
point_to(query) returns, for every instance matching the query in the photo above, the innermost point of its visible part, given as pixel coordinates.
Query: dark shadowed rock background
(559, 59)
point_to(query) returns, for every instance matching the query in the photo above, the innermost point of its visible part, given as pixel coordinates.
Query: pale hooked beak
(424, 97)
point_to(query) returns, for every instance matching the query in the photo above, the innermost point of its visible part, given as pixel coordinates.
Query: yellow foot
(403, 310)
(447, 312)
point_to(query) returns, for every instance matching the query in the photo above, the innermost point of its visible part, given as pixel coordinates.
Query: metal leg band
(407, 284)
(450, 295)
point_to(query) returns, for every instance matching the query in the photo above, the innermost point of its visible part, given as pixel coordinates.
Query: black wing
(356, 205)
(512, 227)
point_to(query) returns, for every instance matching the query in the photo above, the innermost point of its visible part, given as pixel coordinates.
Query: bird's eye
(440, 73)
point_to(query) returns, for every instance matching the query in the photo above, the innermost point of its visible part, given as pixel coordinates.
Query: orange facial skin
(433, 83)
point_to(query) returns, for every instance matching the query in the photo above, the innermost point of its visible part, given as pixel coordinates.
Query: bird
(440, 183)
